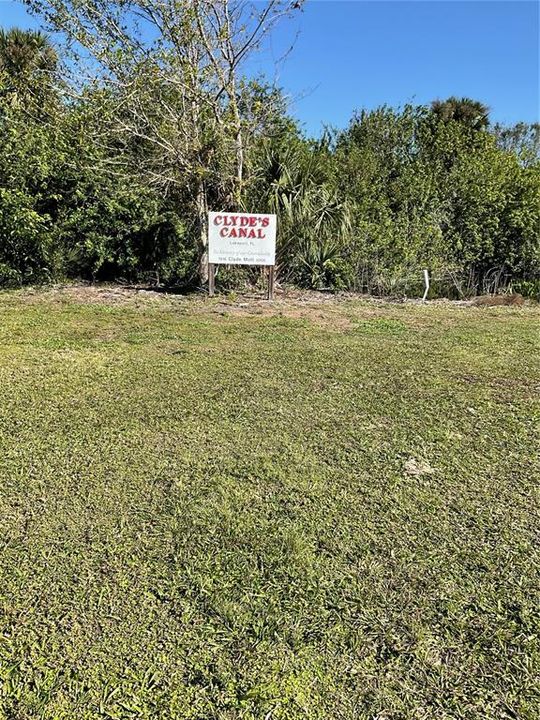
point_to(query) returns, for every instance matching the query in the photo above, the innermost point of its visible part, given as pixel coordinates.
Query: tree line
(113, 150)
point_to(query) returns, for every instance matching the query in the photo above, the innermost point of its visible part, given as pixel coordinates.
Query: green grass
(206, 514)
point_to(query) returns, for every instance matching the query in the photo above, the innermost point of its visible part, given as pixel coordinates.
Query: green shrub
(528, 288)
(24, 240)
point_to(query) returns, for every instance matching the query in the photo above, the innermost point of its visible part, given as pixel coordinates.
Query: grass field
(314, 510)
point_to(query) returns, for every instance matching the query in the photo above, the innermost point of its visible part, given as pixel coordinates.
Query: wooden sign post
(211, 278)
(241, 239)
(271, 277)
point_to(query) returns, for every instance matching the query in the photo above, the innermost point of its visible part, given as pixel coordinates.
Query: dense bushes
(435, 193)
(25, 240)
(365, 208)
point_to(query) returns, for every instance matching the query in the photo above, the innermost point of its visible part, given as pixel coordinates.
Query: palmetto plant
(314, 223)
(27, 63)
(26, 51)
(470, 112)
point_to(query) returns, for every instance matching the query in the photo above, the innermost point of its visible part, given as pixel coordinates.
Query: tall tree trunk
(238, 141)
(202, 222)
(239, 147)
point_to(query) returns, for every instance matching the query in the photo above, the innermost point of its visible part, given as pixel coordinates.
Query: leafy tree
(433, 192)
(174, 68)
(27, 61)
(522, 139)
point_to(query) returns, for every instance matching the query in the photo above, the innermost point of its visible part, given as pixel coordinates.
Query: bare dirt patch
(326, 309)
(338, 311)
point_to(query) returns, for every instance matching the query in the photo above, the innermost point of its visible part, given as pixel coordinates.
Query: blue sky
(353, 54)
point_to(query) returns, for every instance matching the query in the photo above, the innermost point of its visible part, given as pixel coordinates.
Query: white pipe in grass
(426, 282)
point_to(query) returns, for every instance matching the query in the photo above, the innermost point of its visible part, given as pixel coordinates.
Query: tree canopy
(110, 160)
(470, 112)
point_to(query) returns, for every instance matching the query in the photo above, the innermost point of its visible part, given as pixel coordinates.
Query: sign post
(241, 239)
(271, 277)
(211, 278)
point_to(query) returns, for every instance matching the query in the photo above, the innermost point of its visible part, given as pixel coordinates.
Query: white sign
(241, 239)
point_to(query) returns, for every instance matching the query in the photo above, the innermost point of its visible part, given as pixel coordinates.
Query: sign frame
(242, 239)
